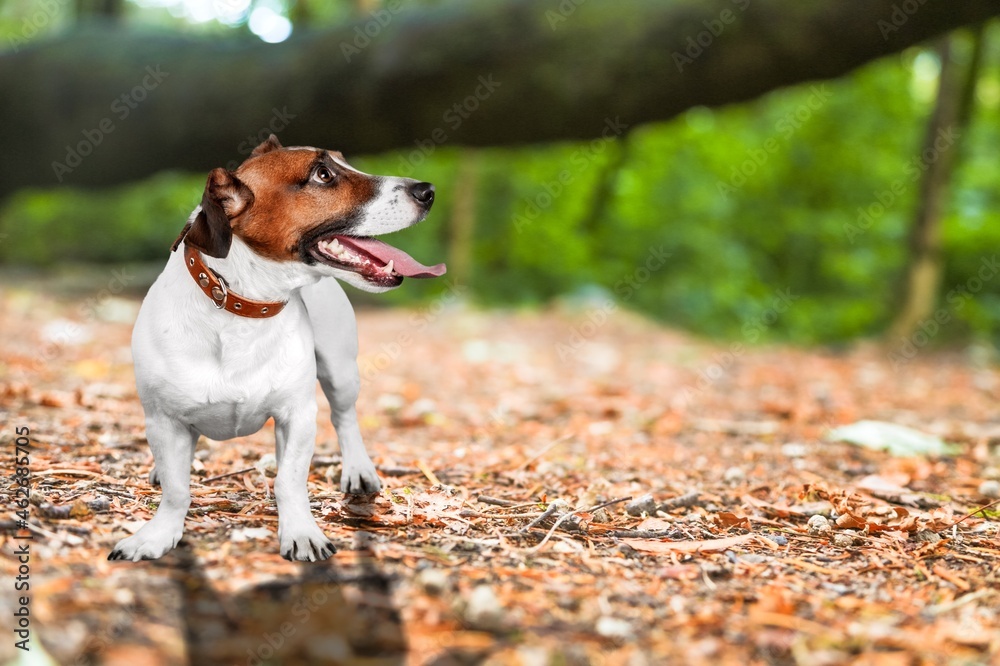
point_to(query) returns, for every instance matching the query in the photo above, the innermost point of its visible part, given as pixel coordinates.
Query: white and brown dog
(241, 323)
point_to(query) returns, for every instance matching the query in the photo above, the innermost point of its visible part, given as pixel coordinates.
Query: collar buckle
(220, 293)
(215, 287)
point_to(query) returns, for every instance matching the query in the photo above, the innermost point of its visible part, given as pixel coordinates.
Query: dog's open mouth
(375, 261)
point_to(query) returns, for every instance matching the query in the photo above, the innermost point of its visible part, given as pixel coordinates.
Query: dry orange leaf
(730, 519)
(654, 524)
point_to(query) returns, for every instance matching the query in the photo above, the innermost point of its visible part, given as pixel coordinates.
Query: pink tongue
(402, 263)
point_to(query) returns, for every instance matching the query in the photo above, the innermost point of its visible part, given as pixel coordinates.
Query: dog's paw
(149, 543)
(360, 479)
(154, 478)
(309, 545)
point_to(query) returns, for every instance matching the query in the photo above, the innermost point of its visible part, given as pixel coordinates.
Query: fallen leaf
(896, 439)
(654, 524)
(730, 519)
(887, 483)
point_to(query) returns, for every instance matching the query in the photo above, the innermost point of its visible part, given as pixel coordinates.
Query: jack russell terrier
(241, 323)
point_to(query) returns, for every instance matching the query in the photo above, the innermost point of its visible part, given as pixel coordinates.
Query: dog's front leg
(359, 476)
(299, 537)
(172, 443)
(336, 341)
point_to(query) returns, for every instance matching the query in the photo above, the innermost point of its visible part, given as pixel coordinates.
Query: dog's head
(308, 205)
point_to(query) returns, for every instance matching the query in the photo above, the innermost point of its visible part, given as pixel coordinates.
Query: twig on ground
(429, 473)
(545, 516)
(685, 500)
(495, 501)
(551, 531)
(472, 513)
(566, 516)
(940, 609)
(641, 534)
(970, 515)
(229, 474)
(116, 492)
(645, 504)
(605, 505)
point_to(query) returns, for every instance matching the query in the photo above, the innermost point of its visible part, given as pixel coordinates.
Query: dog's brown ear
(266, 147)
(225, 198)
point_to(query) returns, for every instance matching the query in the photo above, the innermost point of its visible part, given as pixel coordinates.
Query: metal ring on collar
(220, 301)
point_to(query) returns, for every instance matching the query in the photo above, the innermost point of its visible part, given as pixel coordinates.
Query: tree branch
(464, 73)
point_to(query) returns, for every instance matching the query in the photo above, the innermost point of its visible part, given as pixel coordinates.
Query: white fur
(347, 166)
(201, 370)
(391, 209)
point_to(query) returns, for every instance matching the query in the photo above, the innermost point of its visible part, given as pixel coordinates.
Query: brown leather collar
(214, 286)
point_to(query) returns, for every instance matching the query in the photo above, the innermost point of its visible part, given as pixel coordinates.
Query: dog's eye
(323, 175)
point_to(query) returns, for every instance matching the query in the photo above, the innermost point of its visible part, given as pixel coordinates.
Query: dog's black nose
(423, 193)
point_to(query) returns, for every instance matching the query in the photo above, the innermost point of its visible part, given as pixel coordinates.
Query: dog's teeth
(388, 267)
(332, 247)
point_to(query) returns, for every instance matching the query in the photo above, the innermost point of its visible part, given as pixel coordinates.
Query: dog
(244, 319)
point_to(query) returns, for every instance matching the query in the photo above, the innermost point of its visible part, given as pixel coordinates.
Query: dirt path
(490, 429)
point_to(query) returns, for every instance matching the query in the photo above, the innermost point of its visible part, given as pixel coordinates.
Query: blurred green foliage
(750, 201)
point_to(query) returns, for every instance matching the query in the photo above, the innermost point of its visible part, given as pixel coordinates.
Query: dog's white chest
(226, 379)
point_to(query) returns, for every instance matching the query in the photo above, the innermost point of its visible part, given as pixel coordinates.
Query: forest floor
(500, 435)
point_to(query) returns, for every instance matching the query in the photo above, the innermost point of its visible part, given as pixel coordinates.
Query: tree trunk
(943, 139)
(604, 191)
(103, 106)
(105, 10)
(461, 223)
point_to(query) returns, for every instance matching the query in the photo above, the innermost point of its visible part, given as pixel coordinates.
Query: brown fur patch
(272, 143)
(287, 204)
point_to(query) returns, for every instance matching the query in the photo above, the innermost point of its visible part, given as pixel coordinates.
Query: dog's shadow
(324, 615)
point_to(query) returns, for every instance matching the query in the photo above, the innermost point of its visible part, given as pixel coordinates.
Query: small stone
(818, 525)
(483, 610)
(843, 540)
(928, 536)
(613, 628)
(779, 539)
(990, 488)
(645, 504)
(733, 474)
(99, 504)
(433, 581)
